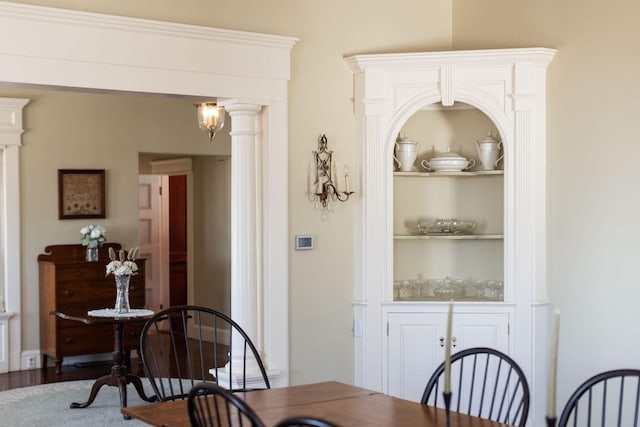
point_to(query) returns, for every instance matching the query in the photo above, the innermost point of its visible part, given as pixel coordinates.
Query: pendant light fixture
(210, 118)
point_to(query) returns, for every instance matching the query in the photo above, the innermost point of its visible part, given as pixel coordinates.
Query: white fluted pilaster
(245, 211)
(10, 300)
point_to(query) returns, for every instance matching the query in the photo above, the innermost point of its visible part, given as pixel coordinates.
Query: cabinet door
(416, 345)
(480, 330)
(413, 351)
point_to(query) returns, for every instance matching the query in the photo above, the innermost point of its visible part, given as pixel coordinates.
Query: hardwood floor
(31, 377)
(69, 373)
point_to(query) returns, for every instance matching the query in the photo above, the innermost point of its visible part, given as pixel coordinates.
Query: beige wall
(212, 225)
(320, 101)
(592, 166)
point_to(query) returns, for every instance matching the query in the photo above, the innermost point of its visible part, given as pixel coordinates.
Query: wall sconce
(210, 118)
(325, 190)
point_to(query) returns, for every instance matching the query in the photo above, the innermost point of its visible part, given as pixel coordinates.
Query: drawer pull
(68, 293)
(79, 273)
(68, 340)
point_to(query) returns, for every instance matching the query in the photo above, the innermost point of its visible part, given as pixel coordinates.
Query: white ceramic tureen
(448, 162)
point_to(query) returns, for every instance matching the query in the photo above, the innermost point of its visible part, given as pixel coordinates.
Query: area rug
(48, 405)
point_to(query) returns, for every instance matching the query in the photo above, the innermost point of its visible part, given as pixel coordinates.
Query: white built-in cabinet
(398, 344)
(416, 343)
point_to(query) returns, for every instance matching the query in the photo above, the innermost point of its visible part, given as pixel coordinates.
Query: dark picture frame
(81, 193)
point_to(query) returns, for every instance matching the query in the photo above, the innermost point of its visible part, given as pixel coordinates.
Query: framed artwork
(81, 193)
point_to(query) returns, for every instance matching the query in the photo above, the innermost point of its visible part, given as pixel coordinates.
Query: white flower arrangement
(121, 266)
(93, 236)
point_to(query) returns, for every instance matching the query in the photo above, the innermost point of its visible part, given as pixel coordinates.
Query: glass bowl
(448, 288)
(447, 226)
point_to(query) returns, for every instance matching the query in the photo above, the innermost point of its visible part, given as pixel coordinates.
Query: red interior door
(177, 240)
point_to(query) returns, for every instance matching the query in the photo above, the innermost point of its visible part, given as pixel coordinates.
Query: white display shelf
(455, 173)
(448, 237)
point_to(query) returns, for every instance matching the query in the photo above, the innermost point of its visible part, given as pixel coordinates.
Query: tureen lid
(449, 155)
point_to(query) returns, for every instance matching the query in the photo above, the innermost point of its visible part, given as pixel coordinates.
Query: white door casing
(247, 66)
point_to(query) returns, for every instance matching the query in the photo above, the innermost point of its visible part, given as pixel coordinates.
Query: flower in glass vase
(93, 236)
(122, 265)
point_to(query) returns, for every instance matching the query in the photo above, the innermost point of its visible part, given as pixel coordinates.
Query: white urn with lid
(406, 152)
(489, 152)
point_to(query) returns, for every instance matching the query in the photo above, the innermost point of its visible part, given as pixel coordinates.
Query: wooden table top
(342, 404)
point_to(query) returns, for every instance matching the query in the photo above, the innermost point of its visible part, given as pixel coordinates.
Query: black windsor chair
(485, 383)
(304, 422)
(608, 398)
(213, 406)
(184, 345)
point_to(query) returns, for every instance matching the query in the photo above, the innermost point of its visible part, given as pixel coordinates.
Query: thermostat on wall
(304, 243)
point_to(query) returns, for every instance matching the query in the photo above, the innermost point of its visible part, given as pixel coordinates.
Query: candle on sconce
(347, 183)
(319, 185)
(447, 353)
(553, 368)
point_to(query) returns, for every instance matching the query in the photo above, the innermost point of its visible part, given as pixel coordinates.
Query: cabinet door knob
(68, 340)
(68, 293)
(454, 341)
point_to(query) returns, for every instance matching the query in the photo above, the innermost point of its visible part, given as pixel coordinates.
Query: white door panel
(149, 202)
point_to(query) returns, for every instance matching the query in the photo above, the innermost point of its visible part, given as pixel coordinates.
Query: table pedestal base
(118, 377)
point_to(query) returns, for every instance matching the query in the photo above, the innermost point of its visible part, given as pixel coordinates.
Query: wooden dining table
(342, 404)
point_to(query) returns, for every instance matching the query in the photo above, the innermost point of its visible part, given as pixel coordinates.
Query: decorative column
(246, 254)
(10, 279)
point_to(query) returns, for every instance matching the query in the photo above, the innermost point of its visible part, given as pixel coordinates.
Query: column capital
(11, 121)
(241, 107)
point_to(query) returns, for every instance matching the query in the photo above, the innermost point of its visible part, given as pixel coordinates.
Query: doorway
(184, 230)
(162, 211)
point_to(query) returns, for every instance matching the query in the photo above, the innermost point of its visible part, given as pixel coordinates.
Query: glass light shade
(210, 118)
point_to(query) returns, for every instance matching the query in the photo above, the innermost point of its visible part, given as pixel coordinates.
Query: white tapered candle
(347, 183)
(447, 353)
(553, 368)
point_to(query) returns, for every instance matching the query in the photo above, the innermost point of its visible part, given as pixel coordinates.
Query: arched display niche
(254, 95)
(508, 86)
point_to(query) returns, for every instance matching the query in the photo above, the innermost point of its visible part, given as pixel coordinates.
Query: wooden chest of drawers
(73, 286)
